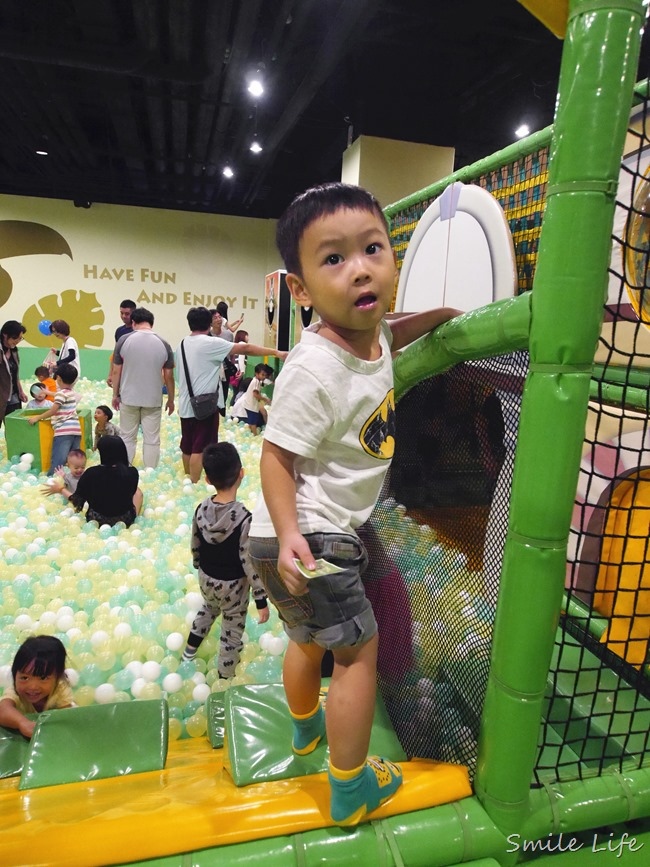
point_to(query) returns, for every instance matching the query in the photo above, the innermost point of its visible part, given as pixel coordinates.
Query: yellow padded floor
(190, 805)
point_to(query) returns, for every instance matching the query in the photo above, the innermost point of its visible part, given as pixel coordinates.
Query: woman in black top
(110, 489)
(11, 392)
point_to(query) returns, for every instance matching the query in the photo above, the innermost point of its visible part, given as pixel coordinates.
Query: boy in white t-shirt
(254, 401)
(328, 444)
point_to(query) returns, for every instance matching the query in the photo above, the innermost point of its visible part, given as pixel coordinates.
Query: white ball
(135, 667)
(263, 639)
(73, 676)
(198, 677)
(28, 457)
(174, 641)
(105, 693)
(172, 682)
(151, 670)
(123, 630)
(137, 686)
(48, 618)
(23, 621)
(6, 678)
(73, 633)
(200, 692)
(275, 645)
(21, 521)
(64, 622)
(193, 601)
(98, 638)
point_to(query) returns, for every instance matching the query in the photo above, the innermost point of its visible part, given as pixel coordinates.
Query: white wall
(62, 262)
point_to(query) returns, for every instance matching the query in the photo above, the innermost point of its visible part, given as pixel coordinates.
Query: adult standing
(141, 362)
(12, 395)
(69, 352)
(220, 329)
(204, 354)
(126, 309)
(222, 309)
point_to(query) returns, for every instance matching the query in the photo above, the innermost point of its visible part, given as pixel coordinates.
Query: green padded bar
(91, 743)
(216, 719)
(13, 751)
(257, 745)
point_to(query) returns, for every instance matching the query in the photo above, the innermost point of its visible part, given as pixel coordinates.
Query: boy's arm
(406, 329)
(259, 592)
(47, 414)
(195, 542)
(279, 489)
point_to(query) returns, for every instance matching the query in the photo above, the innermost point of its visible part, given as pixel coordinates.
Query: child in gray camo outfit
(220, 553)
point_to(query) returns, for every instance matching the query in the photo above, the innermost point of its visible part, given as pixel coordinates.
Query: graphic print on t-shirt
(378, 433)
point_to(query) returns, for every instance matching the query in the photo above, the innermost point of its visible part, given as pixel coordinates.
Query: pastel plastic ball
(172, 682)
(201, 692)
(175, 728)
(105, 693)
(5, 675)
(196, 725)
(174, 641)
(137, 686)
(73, 676)
(275, 646)
(151, 670)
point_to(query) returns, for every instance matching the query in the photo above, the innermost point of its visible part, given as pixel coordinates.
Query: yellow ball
(175, 728)
(196, 725)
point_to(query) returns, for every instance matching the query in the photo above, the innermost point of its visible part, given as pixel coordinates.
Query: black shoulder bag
(203, 405)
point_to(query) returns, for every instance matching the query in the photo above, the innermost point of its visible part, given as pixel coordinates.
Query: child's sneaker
(352, 799)
(308, 731)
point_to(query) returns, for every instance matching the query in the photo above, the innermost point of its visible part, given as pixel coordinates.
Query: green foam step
(92, 743)
(258, 730)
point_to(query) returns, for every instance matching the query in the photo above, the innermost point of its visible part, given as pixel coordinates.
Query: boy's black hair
(68, 373)
(266, 368)
(45, 651)
(316, 202)
(199, 319)
(128, 303)
(222, 464)
(42, 371)
(108, 412)
(141, 314)
(60, 326)
(77, 453)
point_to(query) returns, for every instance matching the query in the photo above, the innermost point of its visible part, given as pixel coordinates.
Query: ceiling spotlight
(228, 172)
(522, 131)
(42, 153)
(256, 88)
(256, 147)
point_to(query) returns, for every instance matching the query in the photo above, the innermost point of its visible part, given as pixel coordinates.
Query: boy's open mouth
(365, 300)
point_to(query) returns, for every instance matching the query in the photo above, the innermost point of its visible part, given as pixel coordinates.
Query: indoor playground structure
(509, 546)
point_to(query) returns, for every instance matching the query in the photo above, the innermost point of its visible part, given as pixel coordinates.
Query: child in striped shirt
(63, 416)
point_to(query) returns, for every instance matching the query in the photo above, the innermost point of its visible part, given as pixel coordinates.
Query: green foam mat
(257, 746)
(92, 743)
(216, 719)
(13, 751)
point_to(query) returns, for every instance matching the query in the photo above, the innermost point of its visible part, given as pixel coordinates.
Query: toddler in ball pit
(39, 683)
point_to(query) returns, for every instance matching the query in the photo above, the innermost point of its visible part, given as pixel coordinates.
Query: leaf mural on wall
(81, 310)
(23, 238)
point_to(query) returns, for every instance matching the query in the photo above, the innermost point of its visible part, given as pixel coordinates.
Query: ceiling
(144, 102)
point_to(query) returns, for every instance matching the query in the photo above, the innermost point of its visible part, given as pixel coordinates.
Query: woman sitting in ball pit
(110, 489)
(39, 683)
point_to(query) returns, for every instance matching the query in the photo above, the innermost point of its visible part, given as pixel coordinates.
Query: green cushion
(257, 744)
(216, 719)
(13, 751)
(91, 743)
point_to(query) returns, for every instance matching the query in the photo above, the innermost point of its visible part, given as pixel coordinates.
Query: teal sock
(353, 798)
(308, 731)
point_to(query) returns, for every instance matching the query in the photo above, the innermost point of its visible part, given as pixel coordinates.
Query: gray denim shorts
(335, 611)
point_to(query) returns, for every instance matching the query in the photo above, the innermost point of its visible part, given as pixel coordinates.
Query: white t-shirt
(336, 412)
(204, 354)
(68, 344)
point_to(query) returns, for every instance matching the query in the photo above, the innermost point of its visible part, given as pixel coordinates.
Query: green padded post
(77, 744)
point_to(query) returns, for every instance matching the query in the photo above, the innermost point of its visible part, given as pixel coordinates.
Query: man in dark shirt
(126, 309)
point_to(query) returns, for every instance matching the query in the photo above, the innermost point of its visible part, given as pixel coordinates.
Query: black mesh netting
(435, 540)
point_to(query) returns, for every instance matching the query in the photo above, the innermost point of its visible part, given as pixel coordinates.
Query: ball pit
(122, 599)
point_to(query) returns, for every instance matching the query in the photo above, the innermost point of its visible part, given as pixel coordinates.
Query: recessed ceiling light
(228, 172)
(255, 88)
(42, 153)
(522, 131)
(256, 147)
